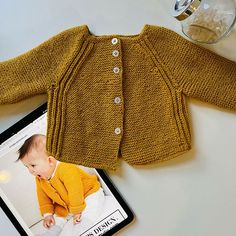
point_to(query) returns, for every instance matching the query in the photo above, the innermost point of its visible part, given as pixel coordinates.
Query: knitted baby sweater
(116, 96)
(66, 191)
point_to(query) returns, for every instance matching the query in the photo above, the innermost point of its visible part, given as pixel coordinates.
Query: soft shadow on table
(178, 160)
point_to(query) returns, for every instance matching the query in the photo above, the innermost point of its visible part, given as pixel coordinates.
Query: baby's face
(38, 163)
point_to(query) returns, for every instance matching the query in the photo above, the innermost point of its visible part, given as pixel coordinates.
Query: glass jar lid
(185, 8)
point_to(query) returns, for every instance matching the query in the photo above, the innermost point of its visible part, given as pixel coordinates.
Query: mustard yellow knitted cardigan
(116, 96)
(66, 191)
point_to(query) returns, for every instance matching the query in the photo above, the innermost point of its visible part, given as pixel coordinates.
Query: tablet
(18, 197)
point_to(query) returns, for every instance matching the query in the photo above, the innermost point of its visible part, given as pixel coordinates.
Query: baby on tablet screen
(64, 190)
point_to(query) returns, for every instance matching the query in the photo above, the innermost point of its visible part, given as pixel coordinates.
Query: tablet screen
(19, 199)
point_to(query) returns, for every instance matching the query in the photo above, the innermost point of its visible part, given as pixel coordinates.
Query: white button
(115, 53)
(117, 100)
(116, 70)
(117, 130)
(114, 41)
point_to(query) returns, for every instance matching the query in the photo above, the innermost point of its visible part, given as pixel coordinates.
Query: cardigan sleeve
(196, 71)
(45, 203)
(32, 72)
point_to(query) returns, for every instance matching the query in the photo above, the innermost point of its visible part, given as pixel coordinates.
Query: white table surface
(192, 195)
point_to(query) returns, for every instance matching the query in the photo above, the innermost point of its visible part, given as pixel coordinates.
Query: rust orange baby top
(116, 96)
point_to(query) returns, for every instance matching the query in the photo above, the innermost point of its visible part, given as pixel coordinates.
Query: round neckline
(123, 37)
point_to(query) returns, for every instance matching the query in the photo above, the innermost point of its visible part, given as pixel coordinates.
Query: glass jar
(205, 21)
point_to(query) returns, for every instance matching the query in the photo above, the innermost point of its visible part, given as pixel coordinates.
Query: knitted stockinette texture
(116, 96)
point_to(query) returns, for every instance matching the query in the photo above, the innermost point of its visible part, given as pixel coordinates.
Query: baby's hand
(76, 218)
(48, 221)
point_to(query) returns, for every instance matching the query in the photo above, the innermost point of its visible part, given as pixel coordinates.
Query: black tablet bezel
(14, 129)
(12, 218)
